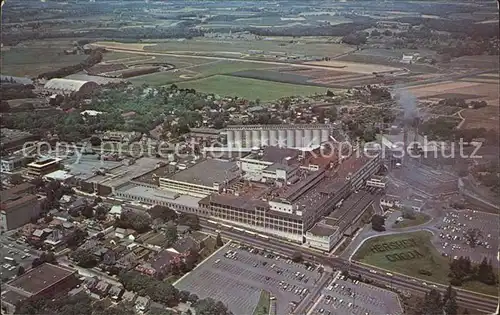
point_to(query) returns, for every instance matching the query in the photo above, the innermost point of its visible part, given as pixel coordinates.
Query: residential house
(129, 297)
(90, 283)
(127, 262)
(186, 245)
(116, 292)
(116, 211)
(161, 264)
(142, 303)
(101, 289)
(183, 229)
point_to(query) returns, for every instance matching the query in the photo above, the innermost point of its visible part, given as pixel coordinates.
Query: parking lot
(454, 243)
(9, 267)
(344, 296)
(236, 274)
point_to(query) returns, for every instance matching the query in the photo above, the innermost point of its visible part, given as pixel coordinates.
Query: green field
(420, 218)
(33, 58)
(237, 47)
(264, 303)
(198, 69)
(249, 88)
(426, 257)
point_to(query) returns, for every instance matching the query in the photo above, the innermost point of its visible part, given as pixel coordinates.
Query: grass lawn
(171, 279)
(249, 88)
(429, 259)
(264, 303)
(420, 218)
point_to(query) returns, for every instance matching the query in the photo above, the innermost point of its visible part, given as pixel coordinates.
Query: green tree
(450, 301)
(378, 222)
(162, 212)
(432, 303)
(88, 211)
(20, 271)
(171, 234)
(485, 273)
(183, 296)
(218, 240)
(84, 258)
(297, 256)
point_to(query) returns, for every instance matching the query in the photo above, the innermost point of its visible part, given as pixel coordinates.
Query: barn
(68, 86)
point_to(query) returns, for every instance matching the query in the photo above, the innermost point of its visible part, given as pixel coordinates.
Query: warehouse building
(206, 177)
(44, 281)
(18, 206)
(68, 86)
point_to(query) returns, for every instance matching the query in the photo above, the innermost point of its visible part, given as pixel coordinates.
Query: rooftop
(208, 172)
(12, 297)
(125, 173)
(351, 208)
(65, 84)
(275, 155)
(41, 278)
(322, 229)
(11, 135)
(301, 126)
(44, 162)
(234, 201)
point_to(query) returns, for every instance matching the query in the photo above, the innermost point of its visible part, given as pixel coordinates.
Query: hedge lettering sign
(398, 245)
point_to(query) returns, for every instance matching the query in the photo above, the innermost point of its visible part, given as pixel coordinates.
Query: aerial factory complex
(249, 158)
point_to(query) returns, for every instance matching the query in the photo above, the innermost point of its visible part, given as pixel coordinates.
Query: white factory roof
(91, 112)
(58, 175)
(65, 84)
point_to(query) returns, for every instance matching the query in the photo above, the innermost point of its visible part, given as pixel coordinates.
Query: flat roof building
(206, 177)
(18, 206)
(46, 280)
(11, 139)
(43, 166)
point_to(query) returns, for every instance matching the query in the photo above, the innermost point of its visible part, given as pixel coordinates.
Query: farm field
(277, 76)
(469, 88)
(426, 257)
(242, 47)
(354, 67)
(390, 59)
(196, 70)
(34, 57)
(486, 117)
(248, 88)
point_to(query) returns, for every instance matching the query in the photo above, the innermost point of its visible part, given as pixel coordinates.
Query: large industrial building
(304, 137)
(290, 210)
(292, 194)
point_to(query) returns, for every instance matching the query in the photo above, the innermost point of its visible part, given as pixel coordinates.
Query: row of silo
(294, 137)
